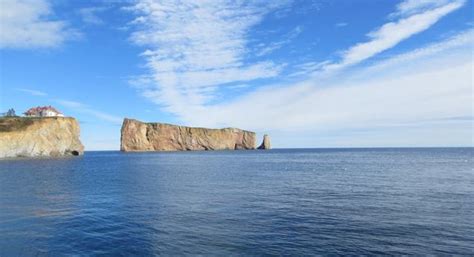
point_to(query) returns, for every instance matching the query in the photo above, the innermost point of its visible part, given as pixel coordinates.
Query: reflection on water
(295, 202)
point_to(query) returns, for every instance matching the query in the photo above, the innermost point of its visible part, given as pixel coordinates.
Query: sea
(285, 202)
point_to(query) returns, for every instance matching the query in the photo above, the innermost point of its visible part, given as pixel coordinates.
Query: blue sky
(309, 73)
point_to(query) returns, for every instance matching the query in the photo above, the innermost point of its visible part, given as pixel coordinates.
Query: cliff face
(32, 137)
(140, 136)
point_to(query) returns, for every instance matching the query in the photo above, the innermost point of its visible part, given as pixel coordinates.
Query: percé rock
(141, 136)
(266, 143)
(35, 137)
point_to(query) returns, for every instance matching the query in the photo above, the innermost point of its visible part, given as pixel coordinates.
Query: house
(45, 111)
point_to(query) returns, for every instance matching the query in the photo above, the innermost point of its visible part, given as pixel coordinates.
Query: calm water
(278, 202)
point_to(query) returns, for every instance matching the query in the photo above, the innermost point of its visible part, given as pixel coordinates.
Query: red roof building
(43, 111)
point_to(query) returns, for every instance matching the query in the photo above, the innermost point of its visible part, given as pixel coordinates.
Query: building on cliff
(44, 111)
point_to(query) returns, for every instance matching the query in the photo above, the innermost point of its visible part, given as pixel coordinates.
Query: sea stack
(141, 136)
(266, 143)
(39, 137)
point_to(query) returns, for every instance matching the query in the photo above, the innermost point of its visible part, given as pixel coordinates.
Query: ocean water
(251, 203)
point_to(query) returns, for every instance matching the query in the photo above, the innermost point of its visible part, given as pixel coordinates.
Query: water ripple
(281, 202)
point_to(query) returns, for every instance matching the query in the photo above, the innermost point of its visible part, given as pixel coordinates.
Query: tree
(11, 113)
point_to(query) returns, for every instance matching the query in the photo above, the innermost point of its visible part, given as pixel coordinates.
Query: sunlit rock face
(266, 143)
(141, 136)
(37, 137)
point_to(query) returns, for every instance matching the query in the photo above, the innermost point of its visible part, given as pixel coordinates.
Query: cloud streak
(187, 66)
(77, 106)
(32, 92)
(85, 109)
(392, 33)
(90, 15)
(430, 83)
(410, 7)
(288, 38)
(197, 46)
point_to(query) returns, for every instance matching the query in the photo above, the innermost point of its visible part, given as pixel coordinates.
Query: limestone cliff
(32, 137)
(266, 143)
(140, 136)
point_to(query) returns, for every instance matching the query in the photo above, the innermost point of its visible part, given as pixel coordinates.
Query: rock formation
(140, 136)
(32, 137)
(266, 143)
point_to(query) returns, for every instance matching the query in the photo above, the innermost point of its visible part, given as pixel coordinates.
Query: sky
(324, 73)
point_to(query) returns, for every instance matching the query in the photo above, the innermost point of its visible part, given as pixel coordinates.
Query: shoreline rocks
(39, 137)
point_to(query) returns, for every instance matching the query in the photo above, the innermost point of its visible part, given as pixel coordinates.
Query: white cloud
(410, 7)
(196, 46)
(341, 24)
(90, 15)
(32, 92)
(26, 24)
(428, 85)
(192, 53)
(83, 108)
(462, 39)
(287, 38)
(77, 107)
(71, 104)
(392, 33)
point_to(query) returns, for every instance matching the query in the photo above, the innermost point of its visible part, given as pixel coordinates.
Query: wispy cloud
(287, 38)
(410, 7)
(83, 108)
(70, 104)
(420, 89)
(91, 15)
(77, 106)
(32, 92)
(341, 24)
(392, 33)
(27, 24)
(196, 46)
(461, 39)
(187, 65)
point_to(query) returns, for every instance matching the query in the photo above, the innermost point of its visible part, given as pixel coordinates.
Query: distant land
(45, 132)
(141, 136)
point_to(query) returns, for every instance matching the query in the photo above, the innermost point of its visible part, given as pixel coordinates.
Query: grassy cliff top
(8, 124)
